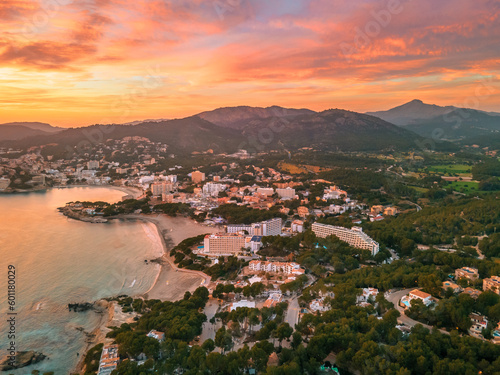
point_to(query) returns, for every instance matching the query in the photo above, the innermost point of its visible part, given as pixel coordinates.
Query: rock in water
(23, 359)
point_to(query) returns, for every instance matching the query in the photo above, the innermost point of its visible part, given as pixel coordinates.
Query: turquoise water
(60, 261)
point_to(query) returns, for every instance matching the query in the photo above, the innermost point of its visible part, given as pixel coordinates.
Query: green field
(419, 189)
(450, 168)
(465, 187)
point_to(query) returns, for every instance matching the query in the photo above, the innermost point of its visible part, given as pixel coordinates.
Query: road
(292, 313)
(210, 329)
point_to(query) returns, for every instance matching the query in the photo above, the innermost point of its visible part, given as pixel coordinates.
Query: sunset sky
(79, 62)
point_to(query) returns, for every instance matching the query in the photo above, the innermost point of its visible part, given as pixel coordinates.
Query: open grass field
(465, 187)
(419, 189)
(450, 168)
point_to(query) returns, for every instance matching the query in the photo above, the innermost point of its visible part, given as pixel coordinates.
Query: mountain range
(19, 130)
(446, 123)
(250, 128)
(261, 129)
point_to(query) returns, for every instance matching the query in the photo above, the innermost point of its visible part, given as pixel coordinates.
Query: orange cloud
(305, 53)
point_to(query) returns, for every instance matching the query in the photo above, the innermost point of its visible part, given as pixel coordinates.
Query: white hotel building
(354, 236)
(271, 227)
(224, 244)
(277, 267)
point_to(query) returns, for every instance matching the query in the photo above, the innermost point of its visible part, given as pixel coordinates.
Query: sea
(58, 261)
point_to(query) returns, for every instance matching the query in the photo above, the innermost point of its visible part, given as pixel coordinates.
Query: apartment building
(287, 193)
(333, 192)
(467, 273)
(265, 191)
(213, 189)
(197, 177)
(109, 360)
(297, 226)
(224, 244)
(171, 178)
(272, 227)
(93, 164)
(354, 236)
(288, 268)
(160, 188)
(493, 284)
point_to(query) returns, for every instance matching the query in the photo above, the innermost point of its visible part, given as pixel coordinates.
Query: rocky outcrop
(22, 359)
(80, 307)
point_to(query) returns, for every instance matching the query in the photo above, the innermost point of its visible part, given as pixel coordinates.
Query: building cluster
(83, 166)
(242, 238)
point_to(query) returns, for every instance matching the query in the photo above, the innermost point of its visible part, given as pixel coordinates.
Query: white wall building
(242, 303)
(287, 193)
(224, 244)
(213, 189)
(272, 227)
(334, 193)
(354, 236)
(265, 191)
(297, 226)
(93, 164)
(289, 268)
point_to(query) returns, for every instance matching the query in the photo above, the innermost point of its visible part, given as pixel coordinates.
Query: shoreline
(129, 190)
(98, 333)
(171, 231)
(171, 235)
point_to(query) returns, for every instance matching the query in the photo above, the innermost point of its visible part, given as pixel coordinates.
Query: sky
(80, 62)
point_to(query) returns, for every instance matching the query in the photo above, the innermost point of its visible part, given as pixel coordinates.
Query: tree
(296, 340)
(223, 339)
(284, 331)
(253, 320)
(208, 345)
(196, 356)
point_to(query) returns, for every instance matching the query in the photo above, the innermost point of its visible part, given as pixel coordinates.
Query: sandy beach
(134, 192)
(172, 282)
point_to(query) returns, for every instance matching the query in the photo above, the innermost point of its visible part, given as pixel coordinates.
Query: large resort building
(272, 227)
(224, 244)
(354, 237)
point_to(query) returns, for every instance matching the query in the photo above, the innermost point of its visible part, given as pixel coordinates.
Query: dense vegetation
(438, 225)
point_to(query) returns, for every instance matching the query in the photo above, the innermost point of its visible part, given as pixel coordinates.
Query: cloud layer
(95, 60)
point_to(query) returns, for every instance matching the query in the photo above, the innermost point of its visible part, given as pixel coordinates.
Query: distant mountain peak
(409, 113)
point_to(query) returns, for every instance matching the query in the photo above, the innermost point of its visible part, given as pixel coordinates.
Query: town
(282, 251)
